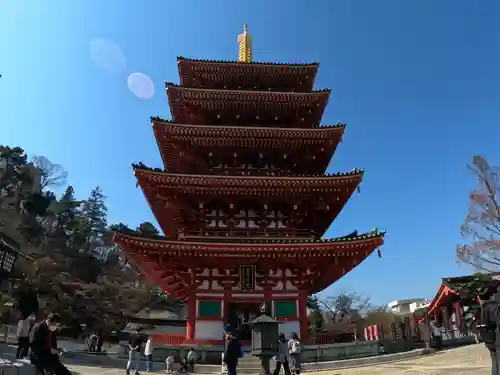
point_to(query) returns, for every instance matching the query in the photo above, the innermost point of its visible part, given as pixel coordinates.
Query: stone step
(213, 369)
(247, 359)
(246, 365)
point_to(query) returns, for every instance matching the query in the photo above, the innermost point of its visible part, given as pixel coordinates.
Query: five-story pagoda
(243, 200)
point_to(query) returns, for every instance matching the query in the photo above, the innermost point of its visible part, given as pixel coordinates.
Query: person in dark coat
(489, 331)
(99, 342)
(134, 346)
(232, 351)
(42, 352)
(282, 355)
(58, 367)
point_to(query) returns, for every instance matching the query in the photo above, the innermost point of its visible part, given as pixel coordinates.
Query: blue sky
(417, 81)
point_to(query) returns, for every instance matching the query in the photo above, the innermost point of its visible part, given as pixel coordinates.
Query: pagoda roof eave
(304, 183)
(198, 73)
(334, 257)
(171, 85)
(253, 63)
(137, 244)
(320, 129)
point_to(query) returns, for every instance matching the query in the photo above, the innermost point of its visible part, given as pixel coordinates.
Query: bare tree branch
(481, 229)
(53, 175)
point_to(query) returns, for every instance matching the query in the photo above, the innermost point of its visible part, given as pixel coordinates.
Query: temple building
(243, 199)
(459, 298)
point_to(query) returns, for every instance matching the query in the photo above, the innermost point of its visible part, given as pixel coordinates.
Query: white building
(407, 306)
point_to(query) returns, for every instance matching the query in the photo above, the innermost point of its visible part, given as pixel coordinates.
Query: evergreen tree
(22, 203)
(147, 229)
(78, 271)
(94, 218)
(68, 216)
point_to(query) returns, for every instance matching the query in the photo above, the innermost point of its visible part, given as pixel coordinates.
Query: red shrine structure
(244, 199)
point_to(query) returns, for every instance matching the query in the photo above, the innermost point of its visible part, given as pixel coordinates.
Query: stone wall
(211, 354)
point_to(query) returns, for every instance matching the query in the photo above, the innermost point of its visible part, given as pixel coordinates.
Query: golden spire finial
(245, 46)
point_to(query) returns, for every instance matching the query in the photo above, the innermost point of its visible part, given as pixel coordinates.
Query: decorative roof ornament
(245, 46)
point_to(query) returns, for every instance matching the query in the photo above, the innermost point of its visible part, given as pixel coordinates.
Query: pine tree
(94, 219)
(147, 229)
(69, 208)
(66, 217)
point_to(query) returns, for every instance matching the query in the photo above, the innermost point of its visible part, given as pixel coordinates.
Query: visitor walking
(187, 364)
(232, 351)
(148, 352)
(170, 362)
(41, 344)
(100, 342)
(92, 342)
(437, 334)
(134, 352)
(488, 330)
(23, 335)
(294, 351)
(58, 367)
(282, 356)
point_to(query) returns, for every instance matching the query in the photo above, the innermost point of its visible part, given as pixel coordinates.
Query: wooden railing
(178, 339)
(325, 338)
(168, 339)
(246, 232)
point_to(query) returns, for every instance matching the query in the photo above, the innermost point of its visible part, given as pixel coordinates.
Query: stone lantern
(264, 338)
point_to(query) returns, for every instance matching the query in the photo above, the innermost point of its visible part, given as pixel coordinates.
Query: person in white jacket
(23, 335)
(148, 352)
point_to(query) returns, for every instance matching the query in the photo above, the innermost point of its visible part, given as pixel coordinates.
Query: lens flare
(141, 85)
(107, 55)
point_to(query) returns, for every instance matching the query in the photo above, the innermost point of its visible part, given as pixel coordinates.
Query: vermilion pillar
(458, 315)
(191, 316)
(303, 320)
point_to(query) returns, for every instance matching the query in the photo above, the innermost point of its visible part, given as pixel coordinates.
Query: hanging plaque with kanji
(247, 277)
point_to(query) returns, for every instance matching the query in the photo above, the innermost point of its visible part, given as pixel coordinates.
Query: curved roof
(236, 184)
(247, 247)
(170, 264)
(253, 63)
(236, 75)
(464, 287)
(184, 102)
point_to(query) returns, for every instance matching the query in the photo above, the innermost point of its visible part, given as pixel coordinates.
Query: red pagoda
(244, 199)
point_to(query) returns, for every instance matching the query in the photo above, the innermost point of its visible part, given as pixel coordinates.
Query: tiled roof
(354, 236)
(176, 86)
(229, 128)
(354, 172)
(182, 58)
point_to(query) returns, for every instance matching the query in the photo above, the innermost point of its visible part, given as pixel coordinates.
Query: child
(170, 363)
(294, 350)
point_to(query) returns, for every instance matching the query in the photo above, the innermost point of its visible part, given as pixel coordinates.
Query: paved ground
(473, 360)
(467, 360)
(470, 360)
